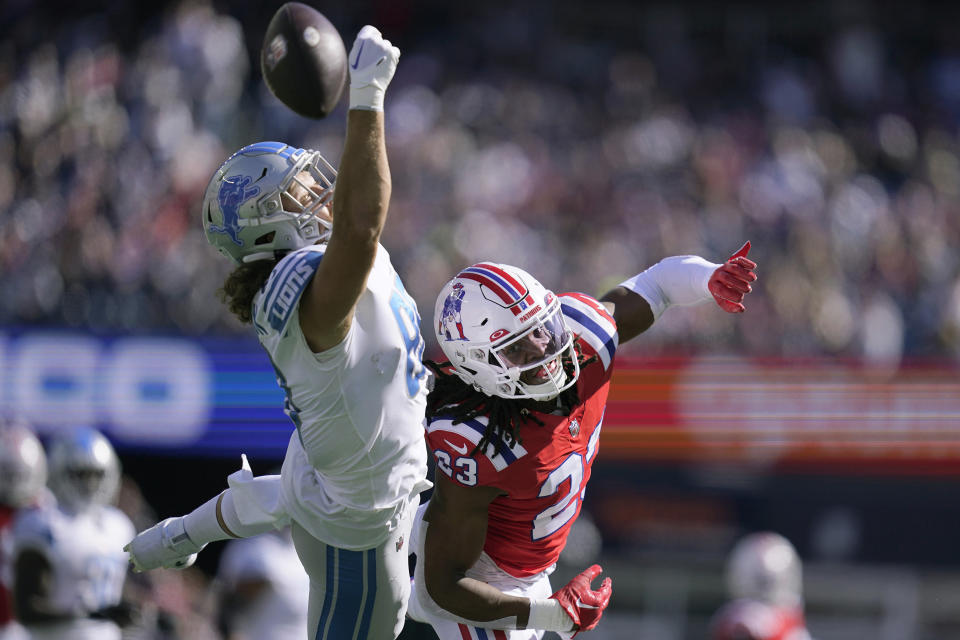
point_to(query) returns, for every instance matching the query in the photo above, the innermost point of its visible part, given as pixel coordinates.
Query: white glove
(372, 62)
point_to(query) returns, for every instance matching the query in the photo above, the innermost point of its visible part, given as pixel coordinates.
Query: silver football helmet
(504, 333)
(265, 198)
(764, 566)
(23, 465)
(84, 469)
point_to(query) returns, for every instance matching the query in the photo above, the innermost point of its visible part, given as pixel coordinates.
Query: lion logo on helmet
(233, 193)
(451, 324)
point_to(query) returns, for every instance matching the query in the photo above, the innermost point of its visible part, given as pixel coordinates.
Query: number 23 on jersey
(568, 495)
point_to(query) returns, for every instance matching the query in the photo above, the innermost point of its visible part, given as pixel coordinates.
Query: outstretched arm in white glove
(372, 62)
(680, 280)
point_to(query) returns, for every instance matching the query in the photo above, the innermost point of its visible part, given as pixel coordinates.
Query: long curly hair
(242, 285)
(453, 398)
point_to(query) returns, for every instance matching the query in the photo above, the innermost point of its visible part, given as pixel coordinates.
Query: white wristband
(369, 98)
(678, 280)
(548, 615)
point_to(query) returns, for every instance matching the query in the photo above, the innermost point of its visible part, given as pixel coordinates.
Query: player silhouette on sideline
(764, 578)
(68, 567)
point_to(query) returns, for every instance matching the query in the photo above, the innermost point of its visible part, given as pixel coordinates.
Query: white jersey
(279, 611)
(358, 453)
(87, 561)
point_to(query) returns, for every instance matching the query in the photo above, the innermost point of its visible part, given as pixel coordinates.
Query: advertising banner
(220, 397)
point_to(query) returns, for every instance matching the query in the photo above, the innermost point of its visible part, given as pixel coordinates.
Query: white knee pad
(251, 506)
(256, 502)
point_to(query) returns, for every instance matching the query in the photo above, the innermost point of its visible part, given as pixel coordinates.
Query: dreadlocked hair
(242, 285)
(453, 398)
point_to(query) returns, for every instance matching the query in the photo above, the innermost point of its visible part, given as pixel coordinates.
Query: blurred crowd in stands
(581, 141)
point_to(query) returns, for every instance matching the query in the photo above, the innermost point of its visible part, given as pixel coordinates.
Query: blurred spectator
(263, 588)
(828, 139)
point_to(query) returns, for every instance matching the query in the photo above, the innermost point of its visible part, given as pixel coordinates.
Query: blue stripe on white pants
(377, 613)
(351, 590)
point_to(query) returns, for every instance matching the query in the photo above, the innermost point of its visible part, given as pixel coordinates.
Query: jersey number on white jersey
(408, 322)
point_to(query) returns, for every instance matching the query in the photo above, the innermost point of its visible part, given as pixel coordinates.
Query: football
(303, 60)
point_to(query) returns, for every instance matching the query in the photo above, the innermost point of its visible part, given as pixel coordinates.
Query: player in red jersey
(514, 422)
(23, 477)
(764, 578)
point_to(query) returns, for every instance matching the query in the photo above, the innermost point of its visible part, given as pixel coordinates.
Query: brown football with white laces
(303, 60)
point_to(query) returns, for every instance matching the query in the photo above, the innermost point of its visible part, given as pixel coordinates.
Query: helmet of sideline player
(84, 469)
(764, 566)
(268, 197)
(23, 465)
(504, 333)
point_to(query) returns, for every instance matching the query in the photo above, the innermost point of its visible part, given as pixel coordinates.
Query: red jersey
(545, 474)
(754, 620)
(6, 524)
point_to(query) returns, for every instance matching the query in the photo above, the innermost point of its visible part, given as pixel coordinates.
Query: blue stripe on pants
(351, 591)
(328, 593)
(371, 595)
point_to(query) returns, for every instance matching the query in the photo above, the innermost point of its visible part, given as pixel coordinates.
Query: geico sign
(152, 390)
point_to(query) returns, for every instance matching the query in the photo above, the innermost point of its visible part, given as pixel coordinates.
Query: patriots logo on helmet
(400, 543)
(233, 193)
(451, 324)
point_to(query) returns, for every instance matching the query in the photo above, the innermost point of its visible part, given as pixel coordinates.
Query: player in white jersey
(69, 567)
(344, 338)
(263, 589)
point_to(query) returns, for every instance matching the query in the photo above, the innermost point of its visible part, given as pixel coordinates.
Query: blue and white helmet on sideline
(84, 469)
(265, 198)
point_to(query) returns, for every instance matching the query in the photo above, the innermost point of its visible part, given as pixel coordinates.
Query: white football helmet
(244, 214)
(84, 469)
(23, 465)
(504, 333)
(764, 566)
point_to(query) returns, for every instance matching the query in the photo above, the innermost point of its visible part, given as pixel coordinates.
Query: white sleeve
(678, 280)
(280, 297)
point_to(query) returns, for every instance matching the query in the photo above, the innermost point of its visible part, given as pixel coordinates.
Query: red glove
(582, 603)
(731, 281)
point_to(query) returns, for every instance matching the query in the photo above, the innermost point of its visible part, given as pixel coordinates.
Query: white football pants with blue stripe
(357, 595)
